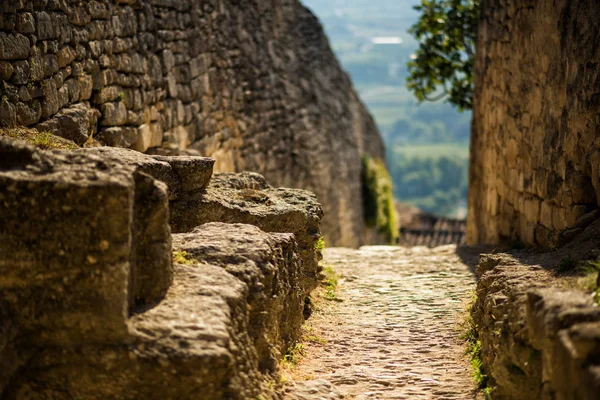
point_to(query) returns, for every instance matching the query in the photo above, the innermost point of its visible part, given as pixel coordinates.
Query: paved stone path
(394, 335)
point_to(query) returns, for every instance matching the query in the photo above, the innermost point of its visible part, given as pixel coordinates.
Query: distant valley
(427, 143)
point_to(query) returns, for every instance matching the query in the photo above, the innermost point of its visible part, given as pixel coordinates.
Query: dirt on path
(393, 334)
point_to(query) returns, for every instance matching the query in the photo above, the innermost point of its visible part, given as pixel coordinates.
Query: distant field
(434, 150)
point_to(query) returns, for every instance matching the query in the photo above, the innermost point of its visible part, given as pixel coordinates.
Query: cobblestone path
(394, 333)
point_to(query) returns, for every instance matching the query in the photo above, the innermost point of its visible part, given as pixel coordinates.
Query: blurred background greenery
(428, 143)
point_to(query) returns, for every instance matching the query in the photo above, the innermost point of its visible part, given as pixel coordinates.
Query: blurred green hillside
(427, 143)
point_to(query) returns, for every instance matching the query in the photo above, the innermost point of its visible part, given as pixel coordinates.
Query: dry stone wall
(540, 338)
(535, 153)
(94, 303)
(253, 84)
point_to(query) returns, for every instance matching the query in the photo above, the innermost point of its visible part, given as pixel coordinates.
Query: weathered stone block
(8, 114)
(13, 46)
(65, 244)
(202, 353)
(6, 70)
(148, 136)
(113, 114)
(75, 123)
(183, 175)
(269, 266)
(247, 198)
(116, 219)
(25, 23)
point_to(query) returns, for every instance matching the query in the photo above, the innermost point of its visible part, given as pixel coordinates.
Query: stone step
(269, 266)
(247, 198)
(82, 240)
(219, 332)
(182, 174)
(65, 244)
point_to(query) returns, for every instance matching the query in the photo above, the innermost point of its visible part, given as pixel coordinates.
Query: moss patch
(473, 349)
(182, 257)
(42, 140)
(378, 198)
(320, 245)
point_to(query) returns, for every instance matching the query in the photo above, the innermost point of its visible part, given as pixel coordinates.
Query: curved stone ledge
(538, 338)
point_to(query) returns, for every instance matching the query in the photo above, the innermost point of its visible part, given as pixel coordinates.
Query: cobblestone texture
(394, 334)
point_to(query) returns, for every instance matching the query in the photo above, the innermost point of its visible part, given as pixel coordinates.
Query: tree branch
(438, 97)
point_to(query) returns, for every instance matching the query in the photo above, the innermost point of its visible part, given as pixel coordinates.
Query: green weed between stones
(330, 282)
(293, 355)
(471, 337)
(378, 198)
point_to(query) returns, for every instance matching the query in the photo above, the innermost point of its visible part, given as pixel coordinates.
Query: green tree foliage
(442, 66)
(378, 199)
(435, 183)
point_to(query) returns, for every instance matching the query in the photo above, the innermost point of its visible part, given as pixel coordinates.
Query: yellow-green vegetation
(471, 337)
(42, 140)
(182, 257)
(330, 282)
(378, 200)
(293, 355)
(320, 245)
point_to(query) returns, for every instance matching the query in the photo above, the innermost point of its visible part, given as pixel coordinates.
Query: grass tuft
(471, 337)
(330, 282)
(42, 140)
(293, 355)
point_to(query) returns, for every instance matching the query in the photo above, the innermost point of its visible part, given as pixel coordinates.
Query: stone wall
(253, 84)
(535, 153)
(99, 300)
(539, 330)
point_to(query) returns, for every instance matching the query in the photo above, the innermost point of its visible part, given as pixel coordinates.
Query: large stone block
(192, 345)
(268, 265)
(82, 233)
(247, 198)
(13, 46)
(65, 245)
(76, 123)
(184, 175)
